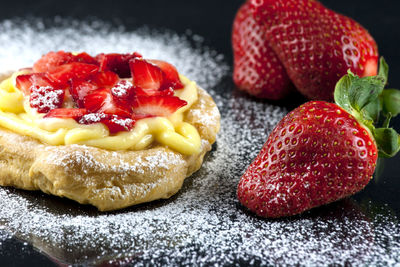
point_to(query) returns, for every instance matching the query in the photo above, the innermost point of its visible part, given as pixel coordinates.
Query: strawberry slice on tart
(46, 98)
(166, 92)
(98, 90)
(123, 90)
(103, 101)
(104, 79)
(52, 60)
(114, 123)
(85, 58)
(66, 113)
(117, 123)
(44, 94)
(117, 63)
(79, 90)
(146, 75)
(157, 105)
(154, 75)
(171, 76)
(72, 71)
(26, 81)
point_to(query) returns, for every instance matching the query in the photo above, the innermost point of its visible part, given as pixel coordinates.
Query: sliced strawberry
(146, 75)
(105, 79)
(72, 71)
(46, 98)
(166, 92)
(117, 124)
(102, 101)
(157, 105)
(26, 81)
(118, 63)
(79, 90)
(93, 118)
(171, 76)
(113, 122)
(123, 90)
(65, 113)
(23, 83)
(85, 58)
(52, 60)
(137, 117)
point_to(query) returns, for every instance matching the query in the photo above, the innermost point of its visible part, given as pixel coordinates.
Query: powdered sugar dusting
(77, 154)
(205, 118)
(204, 223)
(92, 118)
(45, 98)
(121, 88)
(123, 122)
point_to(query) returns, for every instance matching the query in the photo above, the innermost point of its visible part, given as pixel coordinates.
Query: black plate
(361, 229)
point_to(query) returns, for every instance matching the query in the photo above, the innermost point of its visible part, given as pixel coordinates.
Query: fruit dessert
(279, 42)
(322, 152)
(112, 130)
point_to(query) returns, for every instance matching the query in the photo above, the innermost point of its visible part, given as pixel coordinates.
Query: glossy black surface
(212, 19)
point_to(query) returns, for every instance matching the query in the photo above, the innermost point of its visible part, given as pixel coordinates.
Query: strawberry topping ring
(114, 89)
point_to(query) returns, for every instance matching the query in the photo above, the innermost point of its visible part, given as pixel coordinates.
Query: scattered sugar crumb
(204, 223)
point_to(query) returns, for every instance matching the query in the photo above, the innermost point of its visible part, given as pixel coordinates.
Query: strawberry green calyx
(367, 100)
(390, 99)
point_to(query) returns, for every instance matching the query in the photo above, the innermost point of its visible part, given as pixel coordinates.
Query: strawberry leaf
(386, 123)
(388, 141)
(391, 101)
(341, 94)
(372, 111)
(383, 70)
(366, 90)
(360, 96)
(365, 98)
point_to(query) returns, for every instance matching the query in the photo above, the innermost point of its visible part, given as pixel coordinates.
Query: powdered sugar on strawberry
(121, 89)
(92, 118)
(126, 123)
(45, 98)
(123, 86)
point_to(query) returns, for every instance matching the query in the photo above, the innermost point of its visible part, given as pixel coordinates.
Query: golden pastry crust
(109, 180)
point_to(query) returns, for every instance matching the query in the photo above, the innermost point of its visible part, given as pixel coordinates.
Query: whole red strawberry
(316, 45)
(257, 69)
(320, 152)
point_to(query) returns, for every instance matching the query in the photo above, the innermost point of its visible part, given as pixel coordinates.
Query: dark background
(212, 19)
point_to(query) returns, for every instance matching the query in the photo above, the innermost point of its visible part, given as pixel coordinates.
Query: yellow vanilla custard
(17, 116)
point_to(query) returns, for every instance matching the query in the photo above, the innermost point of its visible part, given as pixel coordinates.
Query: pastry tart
(112, 130)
